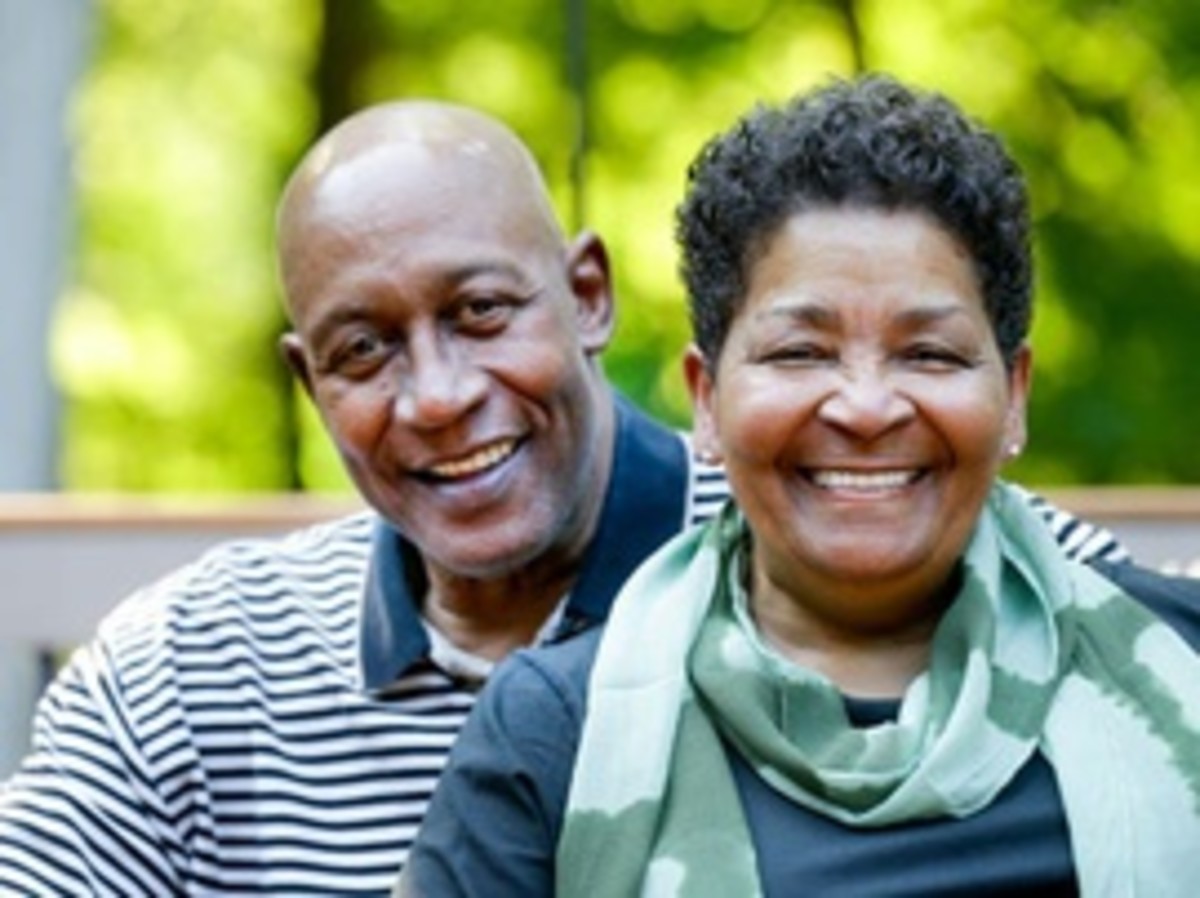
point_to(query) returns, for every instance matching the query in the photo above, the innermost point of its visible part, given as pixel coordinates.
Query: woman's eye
(799, 353)
(935, 356)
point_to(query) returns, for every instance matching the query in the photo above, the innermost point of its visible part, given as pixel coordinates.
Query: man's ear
(699, 378)
(292, 350)
(591, 284)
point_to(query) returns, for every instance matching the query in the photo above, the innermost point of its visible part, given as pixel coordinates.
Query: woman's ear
(700, 384)
(1019, 383)
(591, 285)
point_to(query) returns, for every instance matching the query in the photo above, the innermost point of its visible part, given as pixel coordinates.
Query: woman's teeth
(862, 481)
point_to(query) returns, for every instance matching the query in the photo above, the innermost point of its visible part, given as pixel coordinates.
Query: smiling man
(450, 337)
(273, 718)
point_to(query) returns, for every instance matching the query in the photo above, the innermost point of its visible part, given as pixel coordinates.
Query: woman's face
(862, 409)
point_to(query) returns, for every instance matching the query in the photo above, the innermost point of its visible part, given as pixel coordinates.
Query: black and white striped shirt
(267, 720)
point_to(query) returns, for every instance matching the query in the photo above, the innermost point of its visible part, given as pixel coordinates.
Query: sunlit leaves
(192, 113)
(183, 126)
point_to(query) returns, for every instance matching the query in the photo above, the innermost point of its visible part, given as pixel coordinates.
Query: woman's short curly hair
(869, 143)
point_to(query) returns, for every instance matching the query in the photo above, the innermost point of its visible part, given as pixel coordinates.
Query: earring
(1014, 450)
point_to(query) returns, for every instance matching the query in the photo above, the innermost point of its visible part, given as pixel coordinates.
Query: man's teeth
(476, 462)
(863, 481)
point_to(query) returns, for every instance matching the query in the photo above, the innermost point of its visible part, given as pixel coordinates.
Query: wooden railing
(66, 559)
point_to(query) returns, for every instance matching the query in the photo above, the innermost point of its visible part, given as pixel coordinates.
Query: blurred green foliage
(192, 115)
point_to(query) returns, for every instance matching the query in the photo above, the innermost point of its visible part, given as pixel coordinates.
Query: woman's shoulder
(534, 692)
(1175, 599)
(555, 673)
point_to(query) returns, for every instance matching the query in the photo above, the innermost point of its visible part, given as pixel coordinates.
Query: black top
(493, 826)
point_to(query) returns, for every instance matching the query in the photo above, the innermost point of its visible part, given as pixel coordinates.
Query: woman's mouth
(863, 481)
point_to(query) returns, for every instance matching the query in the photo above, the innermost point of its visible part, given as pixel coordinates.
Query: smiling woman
(876, 673)
(862, 409)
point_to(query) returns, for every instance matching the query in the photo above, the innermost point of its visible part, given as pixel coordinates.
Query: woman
(876, 675)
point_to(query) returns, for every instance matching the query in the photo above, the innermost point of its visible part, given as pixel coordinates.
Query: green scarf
(1036, 653)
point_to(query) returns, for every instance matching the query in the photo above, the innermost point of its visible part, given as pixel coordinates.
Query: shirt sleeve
(1080, 540)
(81, 815)
(492, 827)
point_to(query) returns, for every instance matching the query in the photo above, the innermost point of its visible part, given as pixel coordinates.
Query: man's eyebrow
(456, 273)
(328, 322)
(473, 269)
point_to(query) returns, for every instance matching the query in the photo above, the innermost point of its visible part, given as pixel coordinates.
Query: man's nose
(438, 386)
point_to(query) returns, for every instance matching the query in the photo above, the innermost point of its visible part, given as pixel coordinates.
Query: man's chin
(478, 556)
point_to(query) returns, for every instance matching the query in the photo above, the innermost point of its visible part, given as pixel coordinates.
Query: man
(272, 719)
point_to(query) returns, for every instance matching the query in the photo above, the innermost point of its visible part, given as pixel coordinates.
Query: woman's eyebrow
(806, 312)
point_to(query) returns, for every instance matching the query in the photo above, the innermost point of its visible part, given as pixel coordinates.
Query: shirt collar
(646, 502)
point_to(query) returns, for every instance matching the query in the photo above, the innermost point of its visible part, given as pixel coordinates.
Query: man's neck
(491, 618)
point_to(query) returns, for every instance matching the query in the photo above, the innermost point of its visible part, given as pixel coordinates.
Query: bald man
(273, 718)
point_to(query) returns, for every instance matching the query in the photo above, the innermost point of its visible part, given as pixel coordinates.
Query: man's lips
(473, 463)
(858, 481)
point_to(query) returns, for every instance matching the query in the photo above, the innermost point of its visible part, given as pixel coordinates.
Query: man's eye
(363, 346)
(359, 354)
(484, 311)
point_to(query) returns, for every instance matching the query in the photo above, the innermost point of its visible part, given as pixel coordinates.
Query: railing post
(42, 47)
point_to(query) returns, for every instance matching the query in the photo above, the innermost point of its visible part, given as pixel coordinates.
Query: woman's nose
(866, 404)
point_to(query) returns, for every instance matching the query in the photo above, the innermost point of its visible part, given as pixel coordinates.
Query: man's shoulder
(347, 539)
(664, 451)
(318, 569)
(317, 550)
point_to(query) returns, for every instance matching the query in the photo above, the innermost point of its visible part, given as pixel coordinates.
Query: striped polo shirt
(267, 720)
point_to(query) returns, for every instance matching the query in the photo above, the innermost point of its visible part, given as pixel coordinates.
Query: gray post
(42, 49)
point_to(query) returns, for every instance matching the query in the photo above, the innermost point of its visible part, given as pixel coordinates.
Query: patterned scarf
(1035, 654)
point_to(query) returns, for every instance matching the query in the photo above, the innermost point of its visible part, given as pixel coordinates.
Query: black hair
(869, 142)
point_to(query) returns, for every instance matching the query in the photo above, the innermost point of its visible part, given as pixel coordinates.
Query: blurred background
(143, 144)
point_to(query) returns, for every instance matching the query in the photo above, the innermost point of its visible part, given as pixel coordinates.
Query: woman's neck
(879, 667)
(868, 658)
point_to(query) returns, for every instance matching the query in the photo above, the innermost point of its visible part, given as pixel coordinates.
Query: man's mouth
(864, 481)
(480, 460)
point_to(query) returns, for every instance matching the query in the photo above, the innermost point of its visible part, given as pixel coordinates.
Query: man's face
(448, 339)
